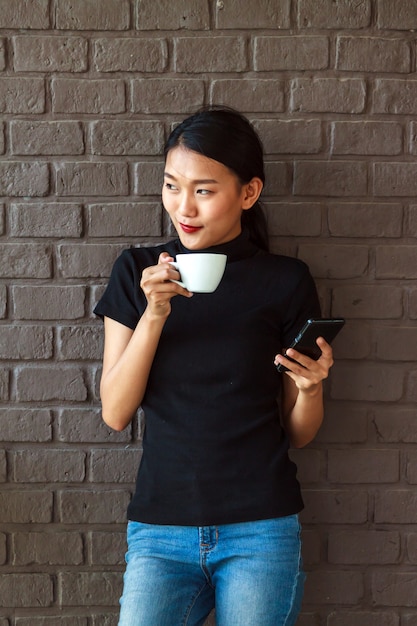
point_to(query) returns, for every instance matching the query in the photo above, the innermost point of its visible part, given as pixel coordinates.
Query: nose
(187, 206)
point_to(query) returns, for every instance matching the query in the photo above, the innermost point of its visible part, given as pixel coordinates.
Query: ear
(251, 192)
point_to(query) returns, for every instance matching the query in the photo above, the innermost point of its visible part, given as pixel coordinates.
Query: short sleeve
(123, 299)
(303, 305)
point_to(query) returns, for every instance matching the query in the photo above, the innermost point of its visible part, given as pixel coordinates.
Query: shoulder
(283, 275)
(136, 259)
(283, 264)
(290, 262)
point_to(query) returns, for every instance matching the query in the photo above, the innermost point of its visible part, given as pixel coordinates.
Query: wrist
(156, 316)
(312, 391)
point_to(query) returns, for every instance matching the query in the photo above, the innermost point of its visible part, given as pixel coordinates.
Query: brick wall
(88, 91)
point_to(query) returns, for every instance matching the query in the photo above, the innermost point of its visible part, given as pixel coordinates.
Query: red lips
(190, 229)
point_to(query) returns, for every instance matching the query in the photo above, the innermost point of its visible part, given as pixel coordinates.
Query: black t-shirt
(214, 451)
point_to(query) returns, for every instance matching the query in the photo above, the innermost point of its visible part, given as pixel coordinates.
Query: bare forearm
(123, 385)
(304, 419)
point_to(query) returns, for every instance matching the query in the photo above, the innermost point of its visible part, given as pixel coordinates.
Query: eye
(170, 187)
(204, 192)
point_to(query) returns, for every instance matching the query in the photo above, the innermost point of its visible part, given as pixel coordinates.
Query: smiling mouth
(189, 229)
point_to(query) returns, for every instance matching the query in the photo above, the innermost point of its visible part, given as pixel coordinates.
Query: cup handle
(174, 264)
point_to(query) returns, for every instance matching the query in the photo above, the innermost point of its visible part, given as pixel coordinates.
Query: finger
(307, 378)
(301, 358)
(324, 346)
(283, 360)
(164, 257)
(159, 273)
(165, 261)
(304, 367)
(158, 281)
(326, 352)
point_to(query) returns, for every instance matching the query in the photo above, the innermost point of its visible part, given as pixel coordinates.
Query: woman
(213, 521)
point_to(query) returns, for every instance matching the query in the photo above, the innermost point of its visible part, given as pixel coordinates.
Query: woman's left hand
(307, 373)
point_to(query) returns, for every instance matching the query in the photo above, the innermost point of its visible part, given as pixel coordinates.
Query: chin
(192, 242)
(192, 245)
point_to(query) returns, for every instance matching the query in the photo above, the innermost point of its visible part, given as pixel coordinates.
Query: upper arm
(116, 339)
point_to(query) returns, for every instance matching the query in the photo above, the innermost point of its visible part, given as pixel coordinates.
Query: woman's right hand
(157, 285)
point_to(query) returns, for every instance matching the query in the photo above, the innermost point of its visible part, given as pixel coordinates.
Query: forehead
(184, 163)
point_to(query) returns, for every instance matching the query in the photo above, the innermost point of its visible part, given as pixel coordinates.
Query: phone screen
(305, 341)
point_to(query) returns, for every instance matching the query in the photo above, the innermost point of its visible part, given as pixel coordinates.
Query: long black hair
(225, 135)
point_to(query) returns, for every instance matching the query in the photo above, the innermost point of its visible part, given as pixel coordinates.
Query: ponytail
(254, 221)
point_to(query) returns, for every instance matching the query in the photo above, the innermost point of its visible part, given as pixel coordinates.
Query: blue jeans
(249, 572)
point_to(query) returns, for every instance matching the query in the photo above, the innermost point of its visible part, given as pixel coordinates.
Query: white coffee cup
(201, 272)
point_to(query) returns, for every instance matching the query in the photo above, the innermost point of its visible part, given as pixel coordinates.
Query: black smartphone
(305, 341)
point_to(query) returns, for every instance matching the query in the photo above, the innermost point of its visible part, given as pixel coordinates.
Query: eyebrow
(200, 181)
